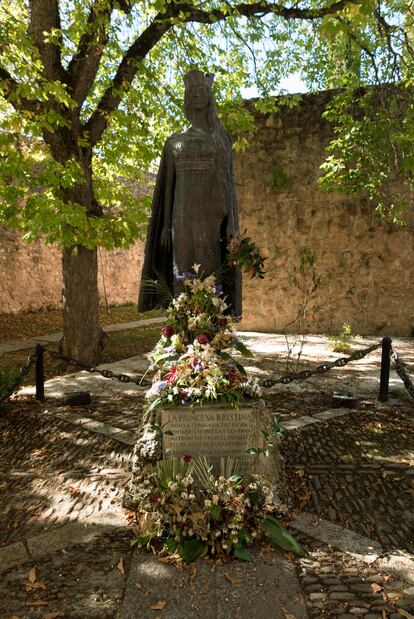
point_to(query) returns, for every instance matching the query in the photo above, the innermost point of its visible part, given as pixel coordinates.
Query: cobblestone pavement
(358, 471)
(336, 585)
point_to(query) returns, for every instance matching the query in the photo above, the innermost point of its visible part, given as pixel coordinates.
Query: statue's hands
(165, 238)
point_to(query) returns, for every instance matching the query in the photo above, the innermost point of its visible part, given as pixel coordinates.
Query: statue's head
(198, 93)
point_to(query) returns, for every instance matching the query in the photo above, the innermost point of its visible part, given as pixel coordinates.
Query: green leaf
(280, 536)
(236, 479)
(243, 349)
(240, 368)
(192, 549)
(216, 512)
(241, 552)
(171, 545)
(153, 405)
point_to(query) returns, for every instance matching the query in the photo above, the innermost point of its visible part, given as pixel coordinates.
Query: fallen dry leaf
(158, 605)
(34, 586)
(37, 603)
(232, 580)
(31, 575)
(120, 566)
(376, 587)
(193, 572)
(138, 585)
(52, 615)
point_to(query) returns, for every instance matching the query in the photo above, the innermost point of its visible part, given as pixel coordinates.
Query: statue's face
(197, 95)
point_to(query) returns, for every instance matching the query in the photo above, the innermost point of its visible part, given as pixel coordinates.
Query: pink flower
(172, 374)
(202, 338)
(167, 331)
(187, 458)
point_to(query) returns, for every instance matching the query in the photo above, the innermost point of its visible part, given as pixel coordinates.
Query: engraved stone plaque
(216, 432)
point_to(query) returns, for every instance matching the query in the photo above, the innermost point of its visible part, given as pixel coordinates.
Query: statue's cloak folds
(158, 260)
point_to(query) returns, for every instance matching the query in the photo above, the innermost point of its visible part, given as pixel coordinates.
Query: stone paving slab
(11, 555)
(17, 345)
(401, 564)
(300, 422)
(332, 414)
(266, 587)
(134, 324)
(56, 539)
(361, 548)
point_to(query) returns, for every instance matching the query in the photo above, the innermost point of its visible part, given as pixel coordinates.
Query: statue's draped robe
(204, 214)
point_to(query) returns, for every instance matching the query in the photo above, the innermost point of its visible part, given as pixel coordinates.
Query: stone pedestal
(219, 431)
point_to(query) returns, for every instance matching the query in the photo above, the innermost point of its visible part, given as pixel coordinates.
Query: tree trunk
(83, 338)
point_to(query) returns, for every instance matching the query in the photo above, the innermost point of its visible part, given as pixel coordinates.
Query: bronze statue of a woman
(194, 208)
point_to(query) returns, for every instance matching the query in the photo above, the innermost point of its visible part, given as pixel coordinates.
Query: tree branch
(180, 13)
(126, 72)
(10, 88)
(83, 67)
(44, 16)
(190, 13)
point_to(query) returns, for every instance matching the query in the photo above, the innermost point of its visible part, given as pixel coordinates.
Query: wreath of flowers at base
(197, 514)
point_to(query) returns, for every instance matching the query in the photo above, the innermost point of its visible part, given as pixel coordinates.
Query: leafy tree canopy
(101, 81)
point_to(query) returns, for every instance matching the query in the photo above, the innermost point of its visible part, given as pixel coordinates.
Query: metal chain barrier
(123, 378)
(18, 379)
(320, 369)
(402, 372)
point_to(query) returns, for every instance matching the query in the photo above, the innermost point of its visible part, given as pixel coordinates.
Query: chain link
(18, 379)
(320, 369)
(402, 372)
(123, 378)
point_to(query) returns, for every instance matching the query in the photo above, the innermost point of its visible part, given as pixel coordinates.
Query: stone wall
(31, 274)
(366, 266)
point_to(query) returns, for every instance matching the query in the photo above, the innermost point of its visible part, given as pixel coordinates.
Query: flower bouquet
(196, 514)
(192, 361)
(243, 252)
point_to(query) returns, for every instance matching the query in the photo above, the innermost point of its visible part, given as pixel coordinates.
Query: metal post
(40, 373)
(385, 369)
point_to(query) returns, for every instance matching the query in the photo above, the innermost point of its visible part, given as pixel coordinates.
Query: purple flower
(202, 338)
(167, 331)
(162, 385)
(218, 289)
(241, 488)
(187, 458)
(185, 275)
(222, 321)
(198, 367)
(154, 498)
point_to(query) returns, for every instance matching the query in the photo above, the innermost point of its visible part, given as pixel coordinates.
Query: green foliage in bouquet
(192, 361)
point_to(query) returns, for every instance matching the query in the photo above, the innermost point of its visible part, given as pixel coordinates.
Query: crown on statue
(196, 77)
